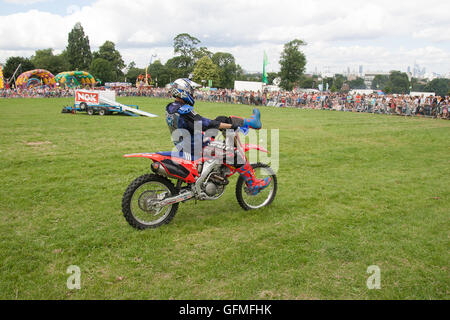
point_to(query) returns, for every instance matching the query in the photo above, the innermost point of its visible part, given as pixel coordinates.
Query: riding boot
(254, 122)
(255, 185)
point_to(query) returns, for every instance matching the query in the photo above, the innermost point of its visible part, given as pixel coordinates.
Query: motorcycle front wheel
(265, 197)
(140, 202)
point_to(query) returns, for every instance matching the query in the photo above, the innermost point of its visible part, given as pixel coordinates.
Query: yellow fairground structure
(2, 80)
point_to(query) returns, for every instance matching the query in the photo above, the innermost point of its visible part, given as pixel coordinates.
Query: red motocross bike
(152, 199)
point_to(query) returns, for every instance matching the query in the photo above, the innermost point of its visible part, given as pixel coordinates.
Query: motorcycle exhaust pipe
(158, 169)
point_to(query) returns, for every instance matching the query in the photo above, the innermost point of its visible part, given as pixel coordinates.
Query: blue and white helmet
(184, 89)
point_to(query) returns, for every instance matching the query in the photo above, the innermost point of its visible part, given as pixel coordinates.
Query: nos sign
(88, 97)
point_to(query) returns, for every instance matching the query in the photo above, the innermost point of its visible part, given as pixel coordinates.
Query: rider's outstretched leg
(254, 122)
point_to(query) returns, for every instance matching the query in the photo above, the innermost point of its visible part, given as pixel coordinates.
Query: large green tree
(13, 62)
(78, 49)
(176, 67)
(227, 68)
(45, 59)
(160, 74)
(201, 52)
(187, 48)
(306, 82)
(379, 82)
(357, 83)
(206, 70)
(185, 45)
(240, 73)
(108, 52)
(339, 80)
(292, 62)
(103, 70)
(418, 85)
(398, 82)
(440, 87)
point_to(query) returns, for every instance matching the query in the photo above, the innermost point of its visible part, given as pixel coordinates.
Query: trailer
(102, 102)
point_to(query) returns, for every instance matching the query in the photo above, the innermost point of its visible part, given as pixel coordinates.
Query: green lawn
(354, 190)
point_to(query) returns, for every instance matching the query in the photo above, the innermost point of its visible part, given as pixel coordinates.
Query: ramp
(126, 108)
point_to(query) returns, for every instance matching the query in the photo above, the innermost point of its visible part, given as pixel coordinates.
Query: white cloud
(434, 33)
(338, 33)
(32, 29)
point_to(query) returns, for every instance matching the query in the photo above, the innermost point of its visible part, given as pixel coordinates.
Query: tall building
(361, 70)
(418, 72)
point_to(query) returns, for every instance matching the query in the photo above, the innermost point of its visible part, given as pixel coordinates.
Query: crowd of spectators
(46, 92)
(432, 106)
(394, 104)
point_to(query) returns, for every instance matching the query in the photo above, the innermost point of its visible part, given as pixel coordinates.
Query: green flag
(265, 63)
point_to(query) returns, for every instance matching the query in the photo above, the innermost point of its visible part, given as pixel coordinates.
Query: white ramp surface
(127, 108)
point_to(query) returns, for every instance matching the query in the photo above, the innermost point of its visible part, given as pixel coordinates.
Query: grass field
(355, 190)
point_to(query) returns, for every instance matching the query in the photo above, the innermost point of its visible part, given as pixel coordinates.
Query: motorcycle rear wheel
(140, 199)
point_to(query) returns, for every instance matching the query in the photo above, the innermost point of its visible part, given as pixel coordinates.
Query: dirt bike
(152, 200)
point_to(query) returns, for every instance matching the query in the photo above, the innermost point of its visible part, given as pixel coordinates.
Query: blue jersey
(182, 116)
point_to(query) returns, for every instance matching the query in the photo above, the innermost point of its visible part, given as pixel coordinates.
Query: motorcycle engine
(211, 189)
(214, 186)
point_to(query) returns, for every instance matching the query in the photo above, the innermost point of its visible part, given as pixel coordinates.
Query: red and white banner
(86, 96)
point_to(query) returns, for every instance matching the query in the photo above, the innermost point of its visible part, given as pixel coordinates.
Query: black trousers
(231, 120)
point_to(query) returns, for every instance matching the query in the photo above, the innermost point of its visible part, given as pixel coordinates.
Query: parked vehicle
(102, 102)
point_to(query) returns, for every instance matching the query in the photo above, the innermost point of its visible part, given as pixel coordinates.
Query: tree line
(105, 64)
(191, 58)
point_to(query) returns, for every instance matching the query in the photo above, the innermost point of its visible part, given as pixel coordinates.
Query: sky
(380, 35)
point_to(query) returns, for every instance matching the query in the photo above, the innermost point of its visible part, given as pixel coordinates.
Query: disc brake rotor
(148, 201)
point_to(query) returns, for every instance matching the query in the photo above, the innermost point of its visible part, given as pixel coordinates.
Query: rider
(180, 114)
